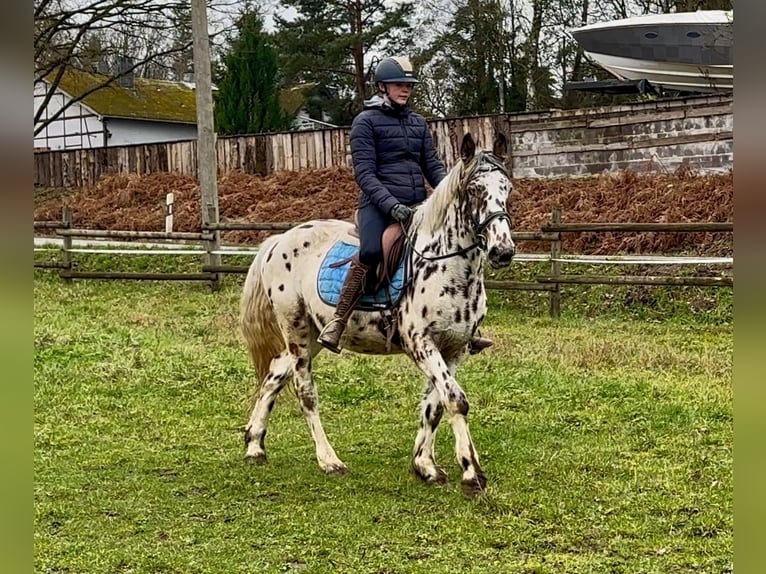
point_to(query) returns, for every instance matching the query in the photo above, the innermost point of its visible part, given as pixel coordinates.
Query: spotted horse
(461, 225)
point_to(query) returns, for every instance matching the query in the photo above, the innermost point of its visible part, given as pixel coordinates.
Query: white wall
(77, 128)
(80, 128)
(128, 132)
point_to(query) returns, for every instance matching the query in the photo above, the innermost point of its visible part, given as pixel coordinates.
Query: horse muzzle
(500, 257)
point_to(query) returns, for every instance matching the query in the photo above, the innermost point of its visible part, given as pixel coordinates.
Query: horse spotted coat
(463, 224)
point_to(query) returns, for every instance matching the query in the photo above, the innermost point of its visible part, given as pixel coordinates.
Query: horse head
(484, 192)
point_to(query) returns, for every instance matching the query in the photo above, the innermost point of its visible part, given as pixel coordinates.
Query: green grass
(607, 439)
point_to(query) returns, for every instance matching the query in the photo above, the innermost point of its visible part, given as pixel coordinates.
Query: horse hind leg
(300, 336)
(266, 347)
(280, 369)
(423, 460)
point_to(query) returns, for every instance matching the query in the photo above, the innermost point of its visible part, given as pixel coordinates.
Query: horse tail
(258, 321)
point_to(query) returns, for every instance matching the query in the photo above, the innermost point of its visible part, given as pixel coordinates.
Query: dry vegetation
(137, 202)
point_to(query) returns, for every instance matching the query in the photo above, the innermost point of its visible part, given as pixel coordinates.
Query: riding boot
(478, 344)
(352, 291)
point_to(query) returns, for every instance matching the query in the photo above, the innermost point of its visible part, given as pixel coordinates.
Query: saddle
(385, 284)
(393, 246)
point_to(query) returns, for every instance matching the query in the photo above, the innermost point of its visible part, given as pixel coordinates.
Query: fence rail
(70, 274)
(635, 227)
(200, 244)
(637, 280)
(108, 233)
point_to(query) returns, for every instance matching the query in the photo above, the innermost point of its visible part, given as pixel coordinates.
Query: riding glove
(401, 212)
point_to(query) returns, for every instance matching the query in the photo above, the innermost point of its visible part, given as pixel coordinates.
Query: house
(128, 111)
(292, 100)
(303, 121)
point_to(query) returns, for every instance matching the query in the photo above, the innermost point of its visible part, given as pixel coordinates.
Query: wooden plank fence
(661, 134)
(551, 232)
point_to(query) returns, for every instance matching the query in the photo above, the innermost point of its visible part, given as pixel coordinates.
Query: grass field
(606, 437)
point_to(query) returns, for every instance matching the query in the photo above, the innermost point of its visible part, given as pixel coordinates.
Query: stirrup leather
(350, 295)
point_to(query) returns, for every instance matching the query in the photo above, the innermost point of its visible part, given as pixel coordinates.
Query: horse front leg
(423, 459)
(455, 405)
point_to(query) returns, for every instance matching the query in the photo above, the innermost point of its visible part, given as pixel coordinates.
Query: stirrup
(333, 346)
(478, 344)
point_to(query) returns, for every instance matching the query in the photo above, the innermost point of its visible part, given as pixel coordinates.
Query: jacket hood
(378, 102)
(374, 102)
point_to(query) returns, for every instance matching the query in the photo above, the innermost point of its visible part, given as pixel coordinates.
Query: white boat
(685, 51)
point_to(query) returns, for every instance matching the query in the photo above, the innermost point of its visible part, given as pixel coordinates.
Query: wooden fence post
(66, 247)
(207, 164)
(555, 297)
(211, 245)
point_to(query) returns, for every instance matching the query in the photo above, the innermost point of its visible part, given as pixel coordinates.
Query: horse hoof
(336, 469)
(434, 476)
(258, 458)
(440, 478)
(476, 486)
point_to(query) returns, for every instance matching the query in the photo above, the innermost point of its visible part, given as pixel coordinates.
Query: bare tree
(111, 37)
(472, 61)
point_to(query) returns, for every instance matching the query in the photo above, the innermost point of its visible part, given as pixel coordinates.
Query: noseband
(481, 227)
(482, 162)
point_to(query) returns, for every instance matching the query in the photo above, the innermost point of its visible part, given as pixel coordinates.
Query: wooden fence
(203, 244)
(660, 134)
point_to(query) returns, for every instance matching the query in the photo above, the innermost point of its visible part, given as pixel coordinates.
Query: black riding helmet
(396, 69)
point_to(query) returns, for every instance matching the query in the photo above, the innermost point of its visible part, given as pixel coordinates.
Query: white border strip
(116, 248)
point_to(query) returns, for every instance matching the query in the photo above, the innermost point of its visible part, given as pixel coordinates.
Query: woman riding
(392, 153)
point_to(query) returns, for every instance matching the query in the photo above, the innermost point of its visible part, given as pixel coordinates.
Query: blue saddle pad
(330, 280)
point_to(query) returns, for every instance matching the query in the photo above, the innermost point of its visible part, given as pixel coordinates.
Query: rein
(482, 162)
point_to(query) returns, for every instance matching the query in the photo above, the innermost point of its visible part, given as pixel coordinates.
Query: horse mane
(435, 207)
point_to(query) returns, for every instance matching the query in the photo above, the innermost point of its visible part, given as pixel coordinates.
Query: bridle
(482, 162)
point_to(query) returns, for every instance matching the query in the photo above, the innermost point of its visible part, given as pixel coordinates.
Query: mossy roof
(148, 99)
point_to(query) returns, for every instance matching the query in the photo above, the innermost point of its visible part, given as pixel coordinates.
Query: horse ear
(467, 148)
(500, 145)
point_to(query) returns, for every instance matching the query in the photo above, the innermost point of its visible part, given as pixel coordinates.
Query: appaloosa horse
(463, 223)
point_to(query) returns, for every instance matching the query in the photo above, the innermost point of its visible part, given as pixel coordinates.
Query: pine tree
(328, 44)
(478, 67)
(248, 84)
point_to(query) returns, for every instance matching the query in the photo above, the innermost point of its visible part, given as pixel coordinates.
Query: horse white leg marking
(255, 433)
(455, 403)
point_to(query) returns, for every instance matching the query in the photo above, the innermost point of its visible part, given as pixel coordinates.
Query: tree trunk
(357, 52)
(693, 5)
(571, 99)
(530, 52)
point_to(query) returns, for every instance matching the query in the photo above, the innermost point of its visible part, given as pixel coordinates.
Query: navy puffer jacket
(392, 150)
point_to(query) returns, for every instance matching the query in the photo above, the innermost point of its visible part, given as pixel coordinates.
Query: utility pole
(206, 156)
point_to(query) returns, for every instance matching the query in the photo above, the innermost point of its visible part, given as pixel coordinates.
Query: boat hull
(689, 51)
(680, 76)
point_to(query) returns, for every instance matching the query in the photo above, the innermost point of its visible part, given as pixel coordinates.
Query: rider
(392, 153)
